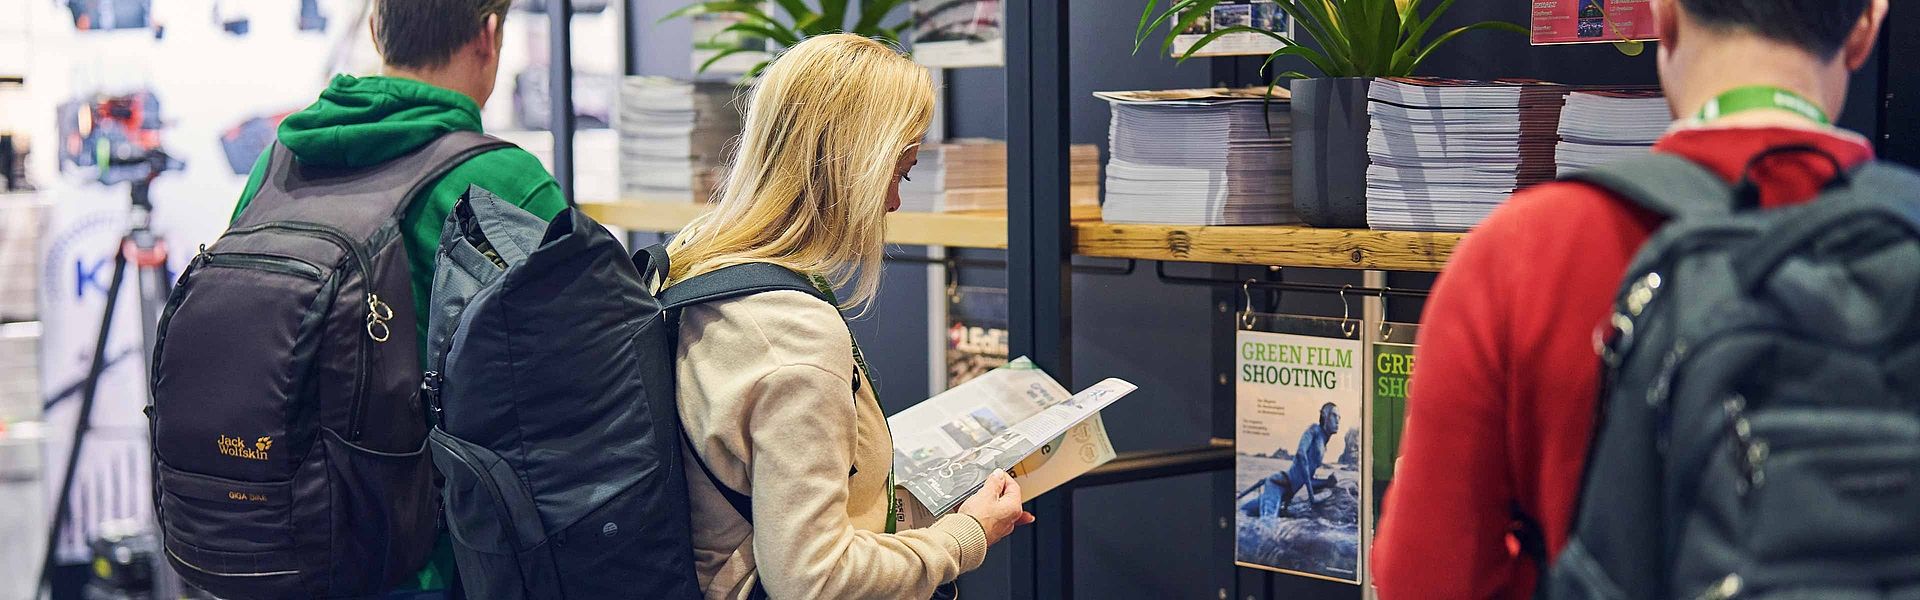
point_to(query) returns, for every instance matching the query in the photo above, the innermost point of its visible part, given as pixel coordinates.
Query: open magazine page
(945, 448)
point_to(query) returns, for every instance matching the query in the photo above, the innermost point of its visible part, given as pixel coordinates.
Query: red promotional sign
(1588, 21)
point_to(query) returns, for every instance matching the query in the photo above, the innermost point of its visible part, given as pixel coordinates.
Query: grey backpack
(1759, 426)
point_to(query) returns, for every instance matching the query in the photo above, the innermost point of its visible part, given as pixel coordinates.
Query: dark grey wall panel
(1152, 540)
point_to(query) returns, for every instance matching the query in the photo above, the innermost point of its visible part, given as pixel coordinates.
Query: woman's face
(907, 160)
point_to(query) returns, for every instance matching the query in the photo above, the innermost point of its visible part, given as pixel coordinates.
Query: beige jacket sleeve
(802, 540)
(779, 367)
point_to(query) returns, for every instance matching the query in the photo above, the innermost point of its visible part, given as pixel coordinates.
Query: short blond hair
(807, 188)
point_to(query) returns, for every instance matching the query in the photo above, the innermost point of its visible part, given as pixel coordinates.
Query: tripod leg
(84, 421)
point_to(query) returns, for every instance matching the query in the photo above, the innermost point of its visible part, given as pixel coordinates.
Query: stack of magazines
(971, 175)
(1602, 126)
(1199, 157)
(1446, 152)
(674, 137)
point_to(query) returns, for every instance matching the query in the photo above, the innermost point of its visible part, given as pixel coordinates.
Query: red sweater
(1502, 402)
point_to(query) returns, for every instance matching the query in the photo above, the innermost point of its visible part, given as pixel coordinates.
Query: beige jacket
(765, 394)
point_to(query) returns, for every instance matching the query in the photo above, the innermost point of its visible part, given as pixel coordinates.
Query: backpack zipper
(377, 311)
(263, 262)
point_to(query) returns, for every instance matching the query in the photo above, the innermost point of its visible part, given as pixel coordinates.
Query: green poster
(1392, 368)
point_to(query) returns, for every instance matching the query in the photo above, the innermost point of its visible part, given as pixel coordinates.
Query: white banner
(83, 234)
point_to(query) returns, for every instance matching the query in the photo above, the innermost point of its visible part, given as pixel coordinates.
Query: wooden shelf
(1277, 245)
(958, 230)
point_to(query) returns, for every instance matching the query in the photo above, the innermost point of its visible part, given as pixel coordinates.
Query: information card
(1590, 21)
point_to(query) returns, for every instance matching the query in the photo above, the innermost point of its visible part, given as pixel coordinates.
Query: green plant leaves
(1195, 9)
(805, 23)
(1319, 61)
(780, 35)
(717, 57)
(1356, 38)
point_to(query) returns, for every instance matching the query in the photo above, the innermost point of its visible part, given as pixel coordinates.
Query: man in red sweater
(1503, 402)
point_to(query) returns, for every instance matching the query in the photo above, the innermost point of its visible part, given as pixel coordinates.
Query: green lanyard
(860, 364)
(1756, 97)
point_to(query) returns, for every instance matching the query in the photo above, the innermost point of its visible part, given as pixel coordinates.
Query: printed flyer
(1590, 21)
(1298, 454)
(1258, 14)
(955, 34)
(977, 337)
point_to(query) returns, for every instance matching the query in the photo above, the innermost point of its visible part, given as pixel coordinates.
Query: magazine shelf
(986, 229)
(1271, 245)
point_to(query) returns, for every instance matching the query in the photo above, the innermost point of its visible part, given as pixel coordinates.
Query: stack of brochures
(971, 175)
(1199, 157)
(1446, 152)
(1603, 126)
(674, 137)
(1014, 418)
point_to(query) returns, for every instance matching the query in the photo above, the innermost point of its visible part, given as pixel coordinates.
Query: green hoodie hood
(362, 121)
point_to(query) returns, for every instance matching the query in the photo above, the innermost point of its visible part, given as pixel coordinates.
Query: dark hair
(1817, 26)
(425, 33)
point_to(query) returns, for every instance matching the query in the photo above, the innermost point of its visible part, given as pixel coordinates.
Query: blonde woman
(792, 495)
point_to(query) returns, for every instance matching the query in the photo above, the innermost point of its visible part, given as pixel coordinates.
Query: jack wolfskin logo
(236, 447)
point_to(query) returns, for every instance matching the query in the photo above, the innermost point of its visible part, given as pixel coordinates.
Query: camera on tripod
(119, 135)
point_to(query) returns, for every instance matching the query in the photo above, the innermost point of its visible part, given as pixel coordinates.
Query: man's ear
(1666, 22)
(487, 43)
(1859, 45)
(373, 31)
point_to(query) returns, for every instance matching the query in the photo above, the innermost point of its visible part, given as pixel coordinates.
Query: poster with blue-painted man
(1297, 469)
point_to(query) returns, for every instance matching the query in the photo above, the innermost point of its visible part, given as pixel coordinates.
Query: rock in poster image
(1298, 454)
(1588, 21)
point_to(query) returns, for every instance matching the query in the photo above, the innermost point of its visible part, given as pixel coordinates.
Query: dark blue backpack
(551, 382)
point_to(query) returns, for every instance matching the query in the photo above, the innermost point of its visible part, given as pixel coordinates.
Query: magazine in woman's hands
(1014, 418)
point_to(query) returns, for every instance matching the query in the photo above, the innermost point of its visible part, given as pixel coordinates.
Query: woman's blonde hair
(807, 188)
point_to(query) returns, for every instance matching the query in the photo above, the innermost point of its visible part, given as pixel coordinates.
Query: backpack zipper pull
(430, 388)
(1727, 589)
(378, 313)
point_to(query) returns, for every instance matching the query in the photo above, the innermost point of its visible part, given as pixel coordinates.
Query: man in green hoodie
(441, 58)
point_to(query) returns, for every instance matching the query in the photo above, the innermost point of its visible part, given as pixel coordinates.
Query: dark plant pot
(1330, 151)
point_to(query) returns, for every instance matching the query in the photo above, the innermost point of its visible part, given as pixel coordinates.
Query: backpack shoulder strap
(736, 282)
(360, 200)
(1668, 185)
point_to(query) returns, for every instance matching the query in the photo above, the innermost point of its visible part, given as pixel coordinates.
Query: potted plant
(755, 27)
(1356, 41)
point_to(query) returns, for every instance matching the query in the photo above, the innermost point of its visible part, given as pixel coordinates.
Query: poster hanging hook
(953, 279)
(1347, 326)
(1246, 300)
(1386, 324)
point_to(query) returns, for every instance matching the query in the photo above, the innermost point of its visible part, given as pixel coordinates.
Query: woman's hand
(997, 507)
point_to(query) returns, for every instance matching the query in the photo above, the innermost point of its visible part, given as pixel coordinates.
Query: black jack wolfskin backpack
(288, 432)
(1759, 434)
(552, 387)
